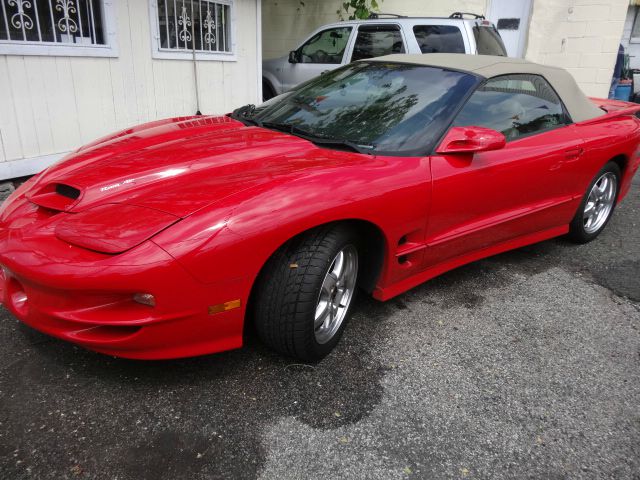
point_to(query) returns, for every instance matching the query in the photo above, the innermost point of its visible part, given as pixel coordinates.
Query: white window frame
(172, 54)
(110, 49)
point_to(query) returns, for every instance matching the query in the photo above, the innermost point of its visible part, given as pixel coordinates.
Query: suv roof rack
(373, 15)
(460, 15)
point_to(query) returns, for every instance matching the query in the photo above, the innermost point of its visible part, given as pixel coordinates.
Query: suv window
(377, 40)
(515, 105)
(488, 41)
(439, 38)
(326, 47)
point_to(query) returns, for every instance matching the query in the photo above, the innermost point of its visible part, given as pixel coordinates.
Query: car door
(487, 198)
(376, 40)
(324, 51)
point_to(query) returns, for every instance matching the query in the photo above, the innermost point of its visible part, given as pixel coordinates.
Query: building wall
(52, 105)
(580, 35)
(285, 23)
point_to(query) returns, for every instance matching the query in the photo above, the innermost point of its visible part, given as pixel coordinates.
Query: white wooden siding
(52, 105)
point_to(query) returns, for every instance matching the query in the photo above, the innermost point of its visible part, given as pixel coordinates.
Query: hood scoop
(56, 196)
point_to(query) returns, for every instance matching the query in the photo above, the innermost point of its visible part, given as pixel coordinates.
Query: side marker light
(223, 307)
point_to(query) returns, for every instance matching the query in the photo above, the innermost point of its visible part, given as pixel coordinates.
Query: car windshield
(389, 108)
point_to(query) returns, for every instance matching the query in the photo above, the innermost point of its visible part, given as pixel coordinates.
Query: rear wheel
(305, 293)
(597, 206)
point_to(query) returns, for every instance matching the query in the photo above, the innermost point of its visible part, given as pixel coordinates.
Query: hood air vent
(67, 191)
(55, 196)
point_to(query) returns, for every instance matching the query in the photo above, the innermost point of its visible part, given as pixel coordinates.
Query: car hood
(177, 166)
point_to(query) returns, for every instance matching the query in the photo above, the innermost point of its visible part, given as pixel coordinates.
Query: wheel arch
(622, 161)
(373, 249)
(271, 81)
(267, 85)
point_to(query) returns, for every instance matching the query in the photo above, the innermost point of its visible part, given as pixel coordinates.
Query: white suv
(331, 46)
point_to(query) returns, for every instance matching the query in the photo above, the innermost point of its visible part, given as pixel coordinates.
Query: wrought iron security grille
(183, 23)
(52, 21)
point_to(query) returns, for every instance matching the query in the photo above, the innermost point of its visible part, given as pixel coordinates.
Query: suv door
(522, 189)
(375, 40)
(323, 51)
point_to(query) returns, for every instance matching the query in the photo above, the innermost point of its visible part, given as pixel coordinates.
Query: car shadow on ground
(145, 419)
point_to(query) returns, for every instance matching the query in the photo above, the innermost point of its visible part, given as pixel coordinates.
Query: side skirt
(421, 277)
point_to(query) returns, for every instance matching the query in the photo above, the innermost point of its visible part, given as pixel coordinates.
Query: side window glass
(439, 38)
(377, 40)
(515, 105)
(327, 46)
(489, 41)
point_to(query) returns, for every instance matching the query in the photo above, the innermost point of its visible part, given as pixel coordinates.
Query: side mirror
(294, 56)
(471, 139)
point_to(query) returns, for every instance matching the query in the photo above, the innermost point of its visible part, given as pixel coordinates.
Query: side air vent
(410, 248)
(56, 196)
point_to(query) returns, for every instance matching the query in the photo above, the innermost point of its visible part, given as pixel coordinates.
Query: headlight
(113, 228)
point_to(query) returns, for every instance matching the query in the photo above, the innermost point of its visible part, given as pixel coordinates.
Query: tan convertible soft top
(578, 105)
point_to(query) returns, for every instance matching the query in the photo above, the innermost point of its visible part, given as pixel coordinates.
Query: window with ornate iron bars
(204, 24)
(52, 22)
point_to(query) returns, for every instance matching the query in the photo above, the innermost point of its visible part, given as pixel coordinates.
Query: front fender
(270, 72)
(235, 239)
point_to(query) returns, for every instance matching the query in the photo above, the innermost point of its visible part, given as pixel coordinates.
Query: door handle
(572, 153)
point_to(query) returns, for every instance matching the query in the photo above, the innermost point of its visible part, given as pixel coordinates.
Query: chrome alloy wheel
(336, 293)
(600, 202)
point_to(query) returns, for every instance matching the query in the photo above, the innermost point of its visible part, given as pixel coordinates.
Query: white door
(511, 18)
(324, 51)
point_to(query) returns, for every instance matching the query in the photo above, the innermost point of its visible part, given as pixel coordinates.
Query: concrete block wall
(580, 35)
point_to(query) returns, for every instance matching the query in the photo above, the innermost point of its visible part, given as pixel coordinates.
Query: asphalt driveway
(525, 365)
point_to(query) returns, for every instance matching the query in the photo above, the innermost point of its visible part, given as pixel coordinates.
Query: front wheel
(597, 206)
(305, 293)
(267, 91)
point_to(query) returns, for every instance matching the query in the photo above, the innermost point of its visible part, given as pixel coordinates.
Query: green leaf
(359, 9)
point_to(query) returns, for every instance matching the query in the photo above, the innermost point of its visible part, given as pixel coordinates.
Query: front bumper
(87, 298)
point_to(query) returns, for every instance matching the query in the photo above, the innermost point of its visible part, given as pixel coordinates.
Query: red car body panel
(190, 209)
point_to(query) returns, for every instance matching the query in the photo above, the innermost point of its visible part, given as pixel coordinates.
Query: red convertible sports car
(166, 239)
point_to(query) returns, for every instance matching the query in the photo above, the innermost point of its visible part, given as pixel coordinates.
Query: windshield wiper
(319, 139)
(342, 142)
(244, 113)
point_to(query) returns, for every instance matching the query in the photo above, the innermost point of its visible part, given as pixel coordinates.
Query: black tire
(289, 288)
(268, 91)
(577, 232)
